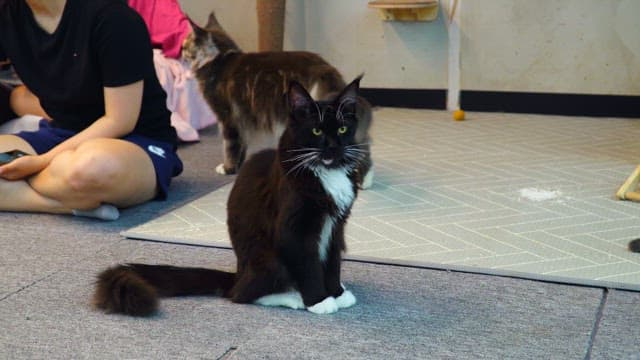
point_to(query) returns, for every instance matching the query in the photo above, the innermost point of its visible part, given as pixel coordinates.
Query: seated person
(109, 143)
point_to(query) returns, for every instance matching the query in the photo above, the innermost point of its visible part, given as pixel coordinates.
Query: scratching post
(629, 190)
(270, 24)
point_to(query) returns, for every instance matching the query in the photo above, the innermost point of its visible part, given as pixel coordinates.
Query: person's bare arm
(24, 102)
(122, 109)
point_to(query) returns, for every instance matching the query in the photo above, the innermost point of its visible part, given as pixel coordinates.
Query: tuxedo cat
(246, 91)
(286, 215)
(634, 245)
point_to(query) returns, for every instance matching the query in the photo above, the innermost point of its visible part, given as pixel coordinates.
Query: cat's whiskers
(303, 161)
(356, 152)
(303, 149)
(309, 165)
(302, 165)
(360, 145)
(298, 157)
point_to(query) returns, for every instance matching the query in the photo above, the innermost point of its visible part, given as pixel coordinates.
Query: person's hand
(23, 167)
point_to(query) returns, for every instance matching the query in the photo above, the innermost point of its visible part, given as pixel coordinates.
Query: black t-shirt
(98, 43)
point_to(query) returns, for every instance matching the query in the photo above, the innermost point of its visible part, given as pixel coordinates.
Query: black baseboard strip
(406, 98)
(514, 102)
(551, 103)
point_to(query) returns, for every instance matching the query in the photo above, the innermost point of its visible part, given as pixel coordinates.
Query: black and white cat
(286, 216)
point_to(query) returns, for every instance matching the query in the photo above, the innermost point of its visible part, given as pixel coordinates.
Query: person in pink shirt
(169, 26)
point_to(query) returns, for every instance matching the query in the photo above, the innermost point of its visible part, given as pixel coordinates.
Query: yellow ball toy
(458, 115)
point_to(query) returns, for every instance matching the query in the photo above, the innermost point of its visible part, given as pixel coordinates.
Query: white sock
(103, 212)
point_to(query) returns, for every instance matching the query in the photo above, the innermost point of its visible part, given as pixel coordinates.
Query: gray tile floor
(48, 265)
(509, 194)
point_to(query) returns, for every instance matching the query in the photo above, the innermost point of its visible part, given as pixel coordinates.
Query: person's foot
(102, 212)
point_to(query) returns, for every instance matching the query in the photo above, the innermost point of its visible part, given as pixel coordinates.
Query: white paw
(367, 181)
(291, 299)
(326, 306)
(220, 169)
(347, 299)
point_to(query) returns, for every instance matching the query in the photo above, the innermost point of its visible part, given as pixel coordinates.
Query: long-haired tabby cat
(286, 215)
(246, 91)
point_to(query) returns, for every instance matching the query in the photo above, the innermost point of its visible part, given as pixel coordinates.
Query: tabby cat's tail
(134, 289)
(634, 245)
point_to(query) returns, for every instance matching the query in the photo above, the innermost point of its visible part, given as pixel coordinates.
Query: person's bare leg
(99, 171)
(24, 102)
(18, 195)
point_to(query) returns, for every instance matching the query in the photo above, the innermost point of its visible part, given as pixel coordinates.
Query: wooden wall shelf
(406, 10)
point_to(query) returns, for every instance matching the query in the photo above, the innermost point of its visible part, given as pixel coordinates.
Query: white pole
(453, 92)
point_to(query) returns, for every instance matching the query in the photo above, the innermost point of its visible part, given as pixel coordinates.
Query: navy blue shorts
(163, 155)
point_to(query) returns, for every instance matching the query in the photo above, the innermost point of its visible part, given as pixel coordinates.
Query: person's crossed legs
(99, 171)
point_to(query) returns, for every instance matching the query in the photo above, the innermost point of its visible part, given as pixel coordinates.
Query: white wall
(237, 17)
(565, 46)
(568, 46)
(391, 54)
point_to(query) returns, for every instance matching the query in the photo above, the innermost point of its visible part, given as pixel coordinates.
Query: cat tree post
(270, 24)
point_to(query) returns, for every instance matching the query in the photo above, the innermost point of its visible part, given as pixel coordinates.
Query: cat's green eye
(316, 131)
(342, 129)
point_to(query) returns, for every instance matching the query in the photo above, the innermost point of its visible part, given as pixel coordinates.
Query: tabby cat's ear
(298, 96)
(212, 23)
(197, 30)
(350, 92)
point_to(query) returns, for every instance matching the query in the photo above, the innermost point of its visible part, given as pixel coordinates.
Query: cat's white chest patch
(337, 184)
(325, 236)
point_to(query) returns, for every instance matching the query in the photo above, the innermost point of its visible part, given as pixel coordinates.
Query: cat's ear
(197, 30)
(298, 96)
(350, 92)
(212, 23)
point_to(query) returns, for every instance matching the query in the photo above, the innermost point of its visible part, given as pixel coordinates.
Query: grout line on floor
(596, 324)
(28, 285)
(229, 353)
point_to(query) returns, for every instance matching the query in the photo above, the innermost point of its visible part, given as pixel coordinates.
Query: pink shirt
(167, 24)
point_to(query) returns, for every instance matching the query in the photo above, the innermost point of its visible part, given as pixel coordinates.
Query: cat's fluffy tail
(134, 289)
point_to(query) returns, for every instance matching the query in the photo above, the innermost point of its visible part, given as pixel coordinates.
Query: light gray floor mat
(507, 194)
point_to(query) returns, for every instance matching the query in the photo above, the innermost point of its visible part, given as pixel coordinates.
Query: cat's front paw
(222, 170)
(326, 306)
(347, 299)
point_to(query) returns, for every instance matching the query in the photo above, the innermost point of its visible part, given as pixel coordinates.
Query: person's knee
(103, 170)
(93, 171)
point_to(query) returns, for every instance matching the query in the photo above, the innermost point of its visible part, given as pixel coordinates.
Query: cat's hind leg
(266, 284)
(293, 300)
(367, 180)
(290, 299)
(233, 150)
(365, 169)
